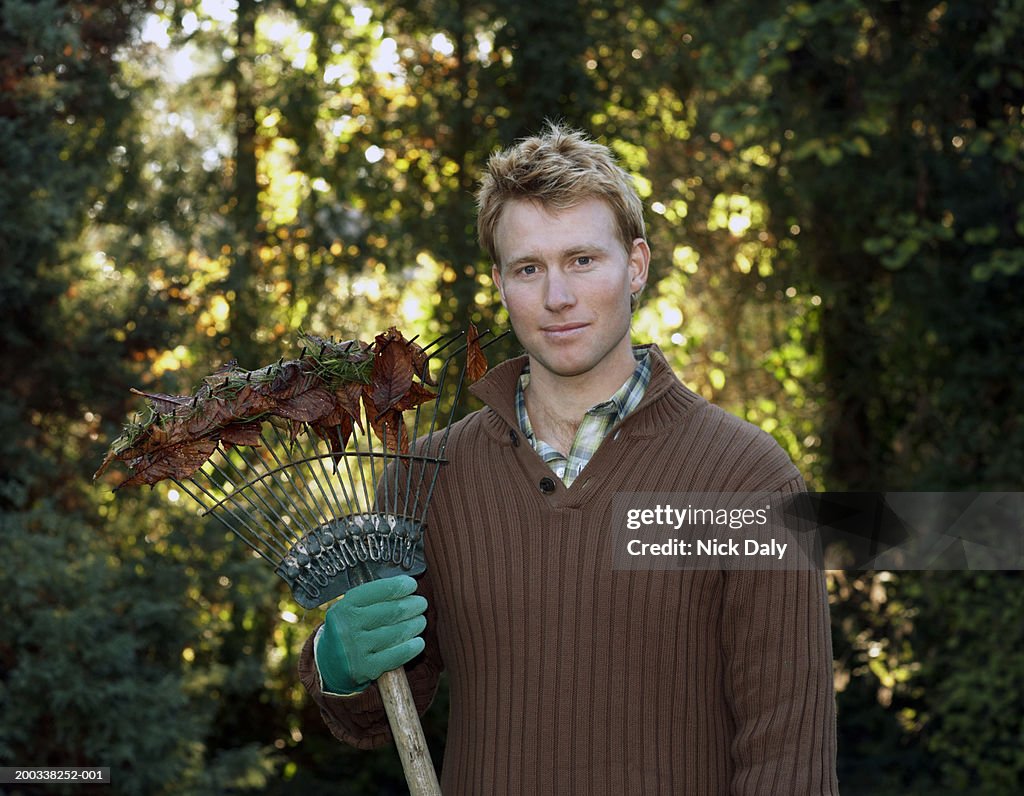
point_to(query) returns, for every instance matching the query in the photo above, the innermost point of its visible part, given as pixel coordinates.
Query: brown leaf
(241, 434)
(347, 397)
(418, 394)
(111, 456)
(421, 363)
(390, 429)
(308, 406)
(206, 417)
(249, 402)
(476, 362)
(163, 434)
(392, 375)
(392, 335)
(336, 434)
(174, 461)
(290, 381)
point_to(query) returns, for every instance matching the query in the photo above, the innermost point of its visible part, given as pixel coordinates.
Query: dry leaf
(476, 362)
(308, 406)
(420, 363)
(175, 461)
(392, 374)
(326, 392)
(241, 434)
(417, 394)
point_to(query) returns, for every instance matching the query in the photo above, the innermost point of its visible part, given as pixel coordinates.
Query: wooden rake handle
(408, 733)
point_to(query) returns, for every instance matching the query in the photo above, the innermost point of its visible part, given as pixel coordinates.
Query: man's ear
(639, 261)
(496, 276)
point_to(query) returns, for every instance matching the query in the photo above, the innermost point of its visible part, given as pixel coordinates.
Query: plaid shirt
(597, 422)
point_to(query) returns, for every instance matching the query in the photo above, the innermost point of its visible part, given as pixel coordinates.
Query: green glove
(374, 627)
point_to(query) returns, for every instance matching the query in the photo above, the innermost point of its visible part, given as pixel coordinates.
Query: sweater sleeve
(360, 720)
(777, 640)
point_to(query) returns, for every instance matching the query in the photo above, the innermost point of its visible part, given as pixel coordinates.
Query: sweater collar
(665, 400)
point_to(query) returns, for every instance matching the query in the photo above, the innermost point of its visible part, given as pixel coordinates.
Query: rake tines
(327, 519)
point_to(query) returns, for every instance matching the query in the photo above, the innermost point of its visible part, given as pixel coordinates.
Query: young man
(567, 675)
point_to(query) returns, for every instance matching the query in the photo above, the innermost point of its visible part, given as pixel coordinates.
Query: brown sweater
(568, 677)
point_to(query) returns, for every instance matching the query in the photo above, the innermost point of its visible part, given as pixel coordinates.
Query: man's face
(565, 278)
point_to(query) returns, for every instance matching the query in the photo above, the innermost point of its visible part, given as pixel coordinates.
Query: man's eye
(528, 270)
(584, 260)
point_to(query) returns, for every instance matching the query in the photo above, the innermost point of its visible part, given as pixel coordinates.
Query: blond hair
(559, 168)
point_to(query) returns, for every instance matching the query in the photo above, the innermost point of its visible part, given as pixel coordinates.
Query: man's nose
(558, 293)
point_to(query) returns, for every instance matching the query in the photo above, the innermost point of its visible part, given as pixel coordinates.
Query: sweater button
(513, 438)
(547, 485)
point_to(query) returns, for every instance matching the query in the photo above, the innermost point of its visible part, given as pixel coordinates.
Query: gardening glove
(374, 627)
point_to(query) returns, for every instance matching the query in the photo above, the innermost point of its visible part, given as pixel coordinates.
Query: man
(568, 675)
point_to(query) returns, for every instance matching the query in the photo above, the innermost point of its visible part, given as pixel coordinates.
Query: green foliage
(941, 653)
(95, 675)
(833, 194)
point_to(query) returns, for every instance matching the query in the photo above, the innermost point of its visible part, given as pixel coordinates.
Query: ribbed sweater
(569, 677)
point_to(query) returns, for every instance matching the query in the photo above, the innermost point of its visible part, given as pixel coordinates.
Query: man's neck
(556, 404)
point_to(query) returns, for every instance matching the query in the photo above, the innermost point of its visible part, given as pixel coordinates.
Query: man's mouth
(563, 328)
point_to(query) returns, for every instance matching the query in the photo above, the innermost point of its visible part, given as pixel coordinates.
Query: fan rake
(308, 489)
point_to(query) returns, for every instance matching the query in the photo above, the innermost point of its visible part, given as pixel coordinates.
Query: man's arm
(778, 646)
(360, 719)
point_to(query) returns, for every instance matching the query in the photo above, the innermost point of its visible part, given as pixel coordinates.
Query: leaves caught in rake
(284, 456)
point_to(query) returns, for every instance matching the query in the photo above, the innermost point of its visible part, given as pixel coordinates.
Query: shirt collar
(624, 401)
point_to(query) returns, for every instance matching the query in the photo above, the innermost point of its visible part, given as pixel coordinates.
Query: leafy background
(834, 197)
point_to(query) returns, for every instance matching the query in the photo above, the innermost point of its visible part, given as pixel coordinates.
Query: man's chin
(563, 367)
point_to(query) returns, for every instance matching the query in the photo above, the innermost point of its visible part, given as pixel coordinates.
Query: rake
(303, 483)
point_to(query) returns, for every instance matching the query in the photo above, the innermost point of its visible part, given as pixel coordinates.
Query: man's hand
(371, 629)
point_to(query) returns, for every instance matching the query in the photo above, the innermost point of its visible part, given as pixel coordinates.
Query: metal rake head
(331, 508)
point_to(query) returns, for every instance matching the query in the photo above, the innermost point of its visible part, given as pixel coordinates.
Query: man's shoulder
(744, 454)
(708, 419)
(731, 424)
